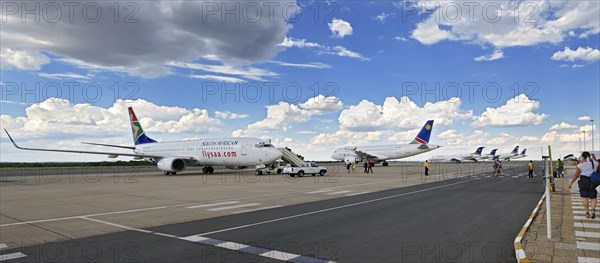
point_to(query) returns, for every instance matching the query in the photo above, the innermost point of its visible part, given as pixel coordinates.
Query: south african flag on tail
(139, 137)
(423, 136)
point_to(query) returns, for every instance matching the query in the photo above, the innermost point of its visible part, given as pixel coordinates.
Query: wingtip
(11, 139)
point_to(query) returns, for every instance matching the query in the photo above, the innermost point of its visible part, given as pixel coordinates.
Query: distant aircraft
(507, 156)
(474, 156)
(519, 156)
(489, 156)
(382, 153)
(175, 156)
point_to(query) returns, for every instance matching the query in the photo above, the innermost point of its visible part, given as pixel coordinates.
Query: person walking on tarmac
(366, 165)
(426, 165)
(530, 175)
(587, 190)
(370, 166)
(559, 168)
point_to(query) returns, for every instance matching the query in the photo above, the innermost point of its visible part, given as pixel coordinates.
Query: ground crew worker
(530, 175)
(426, 165)
(559, 168)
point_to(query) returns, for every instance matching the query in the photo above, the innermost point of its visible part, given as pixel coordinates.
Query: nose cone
(274, 155)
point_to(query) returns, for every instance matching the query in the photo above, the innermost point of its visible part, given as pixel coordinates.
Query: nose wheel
(208, 169)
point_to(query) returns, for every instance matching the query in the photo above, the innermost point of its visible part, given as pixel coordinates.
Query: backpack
(594, 177)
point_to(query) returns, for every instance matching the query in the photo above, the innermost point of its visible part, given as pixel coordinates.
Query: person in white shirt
(586, 190)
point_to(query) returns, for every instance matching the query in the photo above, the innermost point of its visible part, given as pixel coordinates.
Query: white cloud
(400, 38)
(562, 126)
(400, 114)
(516, 112)
(315, 65)
(497, 54)
(383, 16)
(158, 32)
(322, 104)
(499, 25)
(227, 115)
(322, 49)
(340, 28)
(218, 78)
(62, 76)
(584, 118)
(555, 136)
(587, 54)
(59, 116)
(281, 116)
(22, 59)
(247, 72)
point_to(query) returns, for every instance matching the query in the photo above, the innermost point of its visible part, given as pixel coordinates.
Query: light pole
(579, 144)
(584, 140)
(592, 135)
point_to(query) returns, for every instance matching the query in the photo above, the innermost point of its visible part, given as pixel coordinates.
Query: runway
(459, 213)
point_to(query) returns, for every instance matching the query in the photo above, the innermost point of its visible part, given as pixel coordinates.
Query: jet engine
(171, 164)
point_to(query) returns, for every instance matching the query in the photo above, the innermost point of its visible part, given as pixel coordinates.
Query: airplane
(175, 156)
(474, 156)
(491, 155)
(522, 155)
(507, 156)
(382, 153)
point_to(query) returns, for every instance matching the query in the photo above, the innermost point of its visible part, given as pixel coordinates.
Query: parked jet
(519, 156)
(458, 158)
(489, 156)
(507, 156)
(175, 156)
(382, 153)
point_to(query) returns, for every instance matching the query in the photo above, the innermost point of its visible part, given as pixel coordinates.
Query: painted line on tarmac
(12, 256)
(263, 252)
(329, 209)
(200, 203)
(213, 204)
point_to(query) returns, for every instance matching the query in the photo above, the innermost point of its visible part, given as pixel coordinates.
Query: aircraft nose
(274, 155)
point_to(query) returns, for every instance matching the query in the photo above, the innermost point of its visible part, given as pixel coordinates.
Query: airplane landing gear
(385, 164)
(208, 169)
(170, 173)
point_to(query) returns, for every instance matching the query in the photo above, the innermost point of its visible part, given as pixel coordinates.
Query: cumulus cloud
(227, 115)
(340, 28)
(499, 25)
(586, 54)
(562, 126)
(497, 54)
(516, 112)
(584, 118)
(157, 33)
(383, 16)
(22, 59)
(281, 116)
(59, 116)
(400, 114)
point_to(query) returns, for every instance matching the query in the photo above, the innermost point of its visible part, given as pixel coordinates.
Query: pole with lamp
(592, 135)
(583, 140)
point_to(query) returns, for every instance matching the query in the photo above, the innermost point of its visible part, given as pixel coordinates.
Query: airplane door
(244, 148)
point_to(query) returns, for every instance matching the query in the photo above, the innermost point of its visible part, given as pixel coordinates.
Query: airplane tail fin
(515, 150)
(479, 150)
(424, 134)
(139, 136)
(493, 152)
(523, 152)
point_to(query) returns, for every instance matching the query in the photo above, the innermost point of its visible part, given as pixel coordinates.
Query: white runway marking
(232, 207)
(213, 204)
(319, 191)
(361, 193)
(588, 245)
(340, 192)
(257, 209)
(329, 209)
(587, 225)
(3, 246)
(587, 260)
(12, 256)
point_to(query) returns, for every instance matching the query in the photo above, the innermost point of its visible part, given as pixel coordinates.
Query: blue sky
(327, 78)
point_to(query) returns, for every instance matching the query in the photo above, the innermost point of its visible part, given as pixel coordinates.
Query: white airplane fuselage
(237, 152)
(383, 152)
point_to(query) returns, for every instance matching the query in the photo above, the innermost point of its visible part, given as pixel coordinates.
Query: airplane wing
(364, 155)
(110, 145)
(110, 154)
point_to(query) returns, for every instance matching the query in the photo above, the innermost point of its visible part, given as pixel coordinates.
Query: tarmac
(168, 218)
(575, 238)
